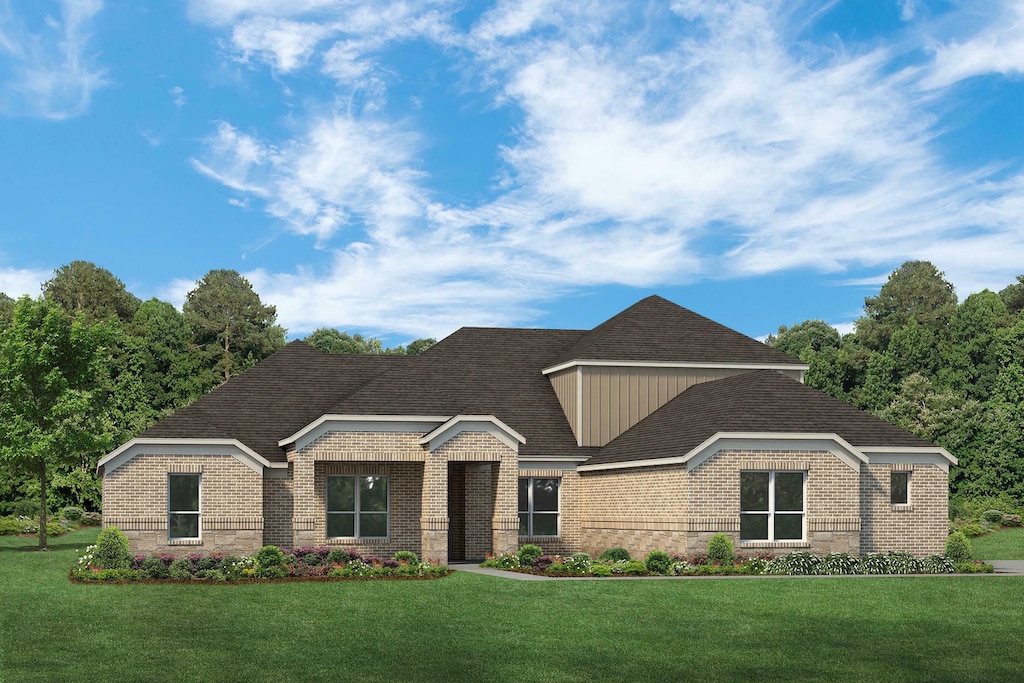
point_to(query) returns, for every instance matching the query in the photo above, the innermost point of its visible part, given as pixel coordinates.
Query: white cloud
(908, 9)
(15, 282)
(177, 94)
(714, 140)
(997, 47)
(52, 74)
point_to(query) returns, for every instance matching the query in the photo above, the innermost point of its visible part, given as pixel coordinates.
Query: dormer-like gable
(632, 364)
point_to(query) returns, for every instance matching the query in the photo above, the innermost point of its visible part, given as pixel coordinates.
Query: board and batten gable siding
(616, 398)
(566, 386)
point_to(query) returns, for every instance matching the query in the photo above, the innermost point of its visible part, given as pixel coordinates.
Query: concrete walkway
(1002, 567)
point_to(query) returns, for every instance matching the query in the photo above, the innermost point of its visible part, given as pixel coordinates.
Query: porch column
(305, 510)
(505, 523)
(434, 519)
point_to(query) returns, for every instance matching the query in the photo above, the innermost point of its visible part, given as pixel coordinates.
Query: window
(771, 506)
(182, 506)
(357, 507)
(899, 488)
(538, 506)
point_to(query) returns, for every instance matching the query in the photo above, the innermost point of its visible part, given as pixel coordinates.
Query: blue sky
(402, 168)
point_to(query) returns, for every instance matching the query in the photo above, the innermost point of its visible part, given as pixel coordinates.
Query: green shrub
(974, 568)
(72, 513)
(112, 550)
(872, 563)
(407, 556)
(10, 526)
(972, 530)
(958, 548)
(629, 567)
(901, 563)
(337, 556)
(210, 575)
(1011, 520)
(720, 549)
(658, 562)
(798, 563)
(180, 569)
(153, 568)
(92, 519)
(118, 575)
(937, 564)
(579, 563)
(600, 570)
(614, 555)
(837, 564)
(26, 508)
(528, 553)
(312, 560)
(994, 516)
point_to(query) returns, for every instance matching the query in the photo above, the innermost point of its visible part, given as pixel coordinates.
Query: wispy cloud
(996, 47)
(654, 145)
(52, 72)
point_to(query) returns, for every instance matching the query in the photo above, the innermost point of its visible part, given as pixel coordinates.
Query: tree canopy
(330, 340)
(83, 287)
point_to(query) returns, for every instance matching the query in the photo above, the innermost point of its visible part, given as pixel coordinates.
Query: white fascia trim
(473, 423)
(833, 443)
(675, 364)
(348, 423)
(885, 455)
(151, 446)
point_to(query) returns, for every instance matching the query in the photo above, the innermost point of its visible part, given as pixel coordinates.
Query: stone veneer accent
(230, 502)
(921, 526)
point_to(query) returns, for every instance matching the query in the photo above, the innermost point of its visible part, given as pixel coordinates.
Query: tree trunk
(42, 504)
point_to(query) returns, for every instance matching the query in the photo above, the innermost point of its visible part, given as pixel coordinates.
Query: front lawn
(1007, 544)
(478, 628)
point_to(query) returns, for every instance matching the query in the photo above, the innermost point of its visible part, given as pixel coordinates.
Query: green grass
(478, 628)
(1007, 544)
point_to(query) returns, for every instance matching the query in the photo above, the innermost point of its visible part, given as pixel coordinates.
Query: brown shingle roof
(759, 401)
(655, 329)
(275, 398)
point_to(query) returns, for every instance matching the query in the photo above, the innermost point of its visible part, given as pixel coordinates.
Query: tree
(6, 309)
(50, 393)
(1013, 295)
(83, 287)
(809, 336)
(330, 340)
(917, 291)
(230, 323)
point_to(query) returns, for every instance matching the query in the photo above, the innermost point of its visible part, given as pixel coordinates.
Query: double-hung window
(899, 488)
(183, 506)
(538, 506)
(357, 507)
(772, 506)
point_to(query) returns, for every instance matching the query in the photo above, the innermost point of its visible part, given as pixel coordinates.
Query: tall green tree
(51, 368)
(83, 287)
(330, 340)
(6, 309)
(1013, 295)
(917, 290)
(230, 324)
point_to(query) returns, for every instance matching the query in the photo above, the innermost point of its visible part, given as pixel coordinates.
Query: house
(654, 430)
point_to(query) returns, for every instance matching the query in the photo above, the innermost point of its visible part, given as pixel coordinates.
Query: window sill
(185, 541)
(537, 538)
(353, 540)
(775, 544)
(901, 507)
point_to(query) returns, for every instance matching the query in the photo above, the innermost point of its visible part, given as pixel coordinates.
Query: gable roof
(275, 398)
(759, 402)
(655, 329)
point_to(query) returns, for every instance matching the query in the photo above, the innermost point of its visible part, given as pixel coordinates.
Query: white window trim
(771, 512)
(530, 511)
(198, 513)
(907, 502)
(356, 512)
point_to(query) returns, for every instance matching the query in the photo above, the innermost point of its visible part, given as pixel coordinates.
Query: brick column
(306, 516)
(434, 519)
(505, 523)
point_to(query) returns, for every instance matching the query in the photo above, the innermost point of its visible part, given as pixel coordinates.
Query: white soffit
(674, 364)
(474, 423)
(360, 423)
(723, 441)
(891, 455)
(236, 449)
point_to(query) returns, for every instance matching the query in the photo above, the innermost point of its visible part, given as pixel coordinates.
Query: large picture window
(357, 507)
(772, 506)
(538, 506)
(183, 506)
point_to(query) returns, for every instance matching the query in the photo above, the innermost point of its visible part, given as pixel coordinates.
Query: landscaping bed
(721, 560)
(109, 561)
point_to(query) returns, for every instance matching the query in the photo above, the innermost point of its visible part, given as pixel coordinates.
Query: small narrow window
(183, 506)
(899, 488)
